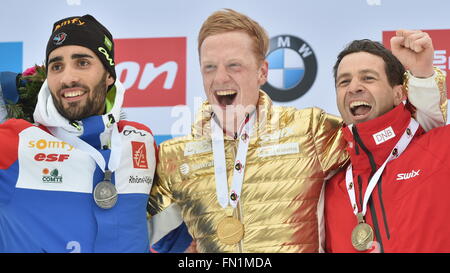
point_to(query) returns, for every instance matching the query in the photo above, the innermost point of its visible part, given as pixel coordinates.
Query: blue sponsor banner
(11, 56)
(162, 138)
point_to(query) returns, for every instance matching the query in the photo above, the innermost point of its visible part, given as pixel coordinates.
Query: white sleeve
(163, 223)
(429, 97)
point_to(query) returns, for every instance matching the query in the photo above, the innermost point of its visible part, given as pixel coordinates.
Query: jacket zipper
(386, 226)
(371, 203)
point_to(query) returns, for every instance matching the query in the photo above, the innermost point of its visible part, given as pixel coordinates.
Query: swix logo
(152, 70)
(384, 135)
(139, 155)
(441, 44)
(404, 176)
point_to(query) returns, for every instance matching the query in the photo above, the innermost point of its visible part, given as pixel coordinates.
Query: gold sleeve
(160, 194)
(329, 141)
(442, 86)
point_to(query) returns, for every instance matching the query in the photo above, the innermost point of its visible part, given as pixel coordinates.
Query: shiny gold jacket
(287, 161)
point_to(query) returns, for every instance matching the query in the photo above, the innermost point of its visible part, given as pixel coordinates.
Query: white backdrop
(326, 25)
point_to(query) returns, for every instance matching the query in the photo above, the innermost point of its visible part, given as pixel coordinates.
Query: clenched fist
(414, 49)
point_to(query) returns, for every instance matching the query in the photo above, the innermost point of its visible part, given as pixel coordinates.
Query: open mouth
(72, 95)
(226, 97)
(360, 108)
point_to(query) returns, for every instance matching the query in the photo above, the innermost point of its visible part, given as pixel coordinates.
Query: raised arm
(424, 84)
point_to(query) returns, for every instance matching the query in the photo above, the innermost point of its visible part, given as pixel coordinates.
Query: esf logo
(152, 70)
(51, 157)
(292, 68)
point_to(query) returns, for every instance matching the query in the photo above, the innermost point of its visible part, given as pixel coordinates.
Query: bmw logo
(292, 68)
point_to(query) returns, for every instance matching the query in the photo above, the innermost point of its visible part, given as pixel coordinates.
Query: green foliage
(28, 95)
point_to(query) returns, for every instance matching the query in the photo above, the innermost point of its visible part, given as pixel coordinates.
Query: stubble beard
(93, 106)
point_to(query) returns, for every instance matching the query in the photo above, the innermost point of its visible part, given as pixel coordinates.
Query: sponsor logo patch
(51, 176)
(405, 176)
(384, 135)
(51, 157)
(59, 38)
(134, 179)
(74, 21)
(277, 135)
(279, 149)
(199, 147)
(43, 144)
(184, 169)
(139, 155)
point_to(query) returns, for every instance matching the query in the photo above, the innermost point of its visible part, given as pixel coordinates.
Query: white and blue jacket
(46, 185)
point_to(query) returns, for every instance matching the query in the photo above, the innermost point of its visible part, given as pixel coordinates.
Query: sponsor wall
(156, 45)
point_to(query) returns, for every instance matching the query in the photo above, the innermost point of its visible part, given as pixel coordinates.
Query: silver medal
(105, 193)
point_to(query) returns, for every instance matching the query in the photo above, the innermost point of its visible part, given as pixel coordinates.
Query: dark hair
(394, 69)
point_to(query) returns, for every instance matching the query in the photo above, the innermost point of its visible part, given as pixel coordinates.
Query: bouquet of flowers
(29, 83)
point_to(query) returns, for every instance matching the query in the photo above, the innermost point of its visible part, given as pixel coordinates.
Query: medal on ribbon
(230, 230)
(105, 193)
(362, 235)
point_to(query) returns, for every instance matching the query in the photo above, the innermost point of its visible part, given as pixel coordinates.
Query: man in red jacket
(393, 195)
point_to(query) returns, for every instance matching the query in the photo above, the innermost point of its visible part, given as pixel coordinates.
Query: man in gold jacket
(249, 176)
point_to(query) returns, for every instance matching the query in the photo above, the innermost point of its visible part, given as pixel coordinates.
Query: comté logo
(152, 70)
(441, 44)
(139, 155)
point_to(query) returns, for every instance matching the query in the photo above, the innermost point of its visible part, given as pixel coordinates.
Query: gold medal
(362, 235)
(230, 230)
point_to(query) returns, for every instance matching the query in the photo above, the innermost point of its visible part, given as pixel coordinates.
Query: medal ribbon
(78, 143)
(396, 152)
(220, 168)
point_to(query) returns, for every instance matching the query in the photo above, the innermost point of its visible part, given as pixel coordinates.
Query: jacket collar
(89, 129)
(202, 128)
(371, 142)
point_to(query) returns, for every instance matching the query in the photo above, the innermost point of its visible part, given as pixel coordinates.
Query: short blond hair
(229, 20)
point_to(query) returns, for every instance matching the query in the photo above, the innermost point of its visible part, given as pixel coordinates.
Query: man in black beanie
(85, 42)
(79, 181)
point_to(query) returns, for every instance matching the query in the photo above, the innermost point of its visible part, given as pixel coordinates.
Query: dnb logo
(441, 44)
(152, 70)
(292, 68)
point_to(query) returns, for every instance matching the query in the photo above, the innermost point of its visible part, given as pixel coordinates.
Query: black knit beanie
(84, 31)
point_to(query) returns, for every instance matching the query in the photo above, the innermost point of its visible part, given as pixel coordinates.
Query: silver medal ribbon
(105, 193)
(396, 152)
(220, 170)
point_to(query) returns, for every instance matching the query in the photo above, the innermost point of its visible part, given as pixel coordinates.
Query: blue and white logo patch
(292, 68)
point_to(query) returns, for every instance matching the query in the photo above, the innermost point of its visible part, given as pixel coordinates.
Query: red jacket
(409, 208)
